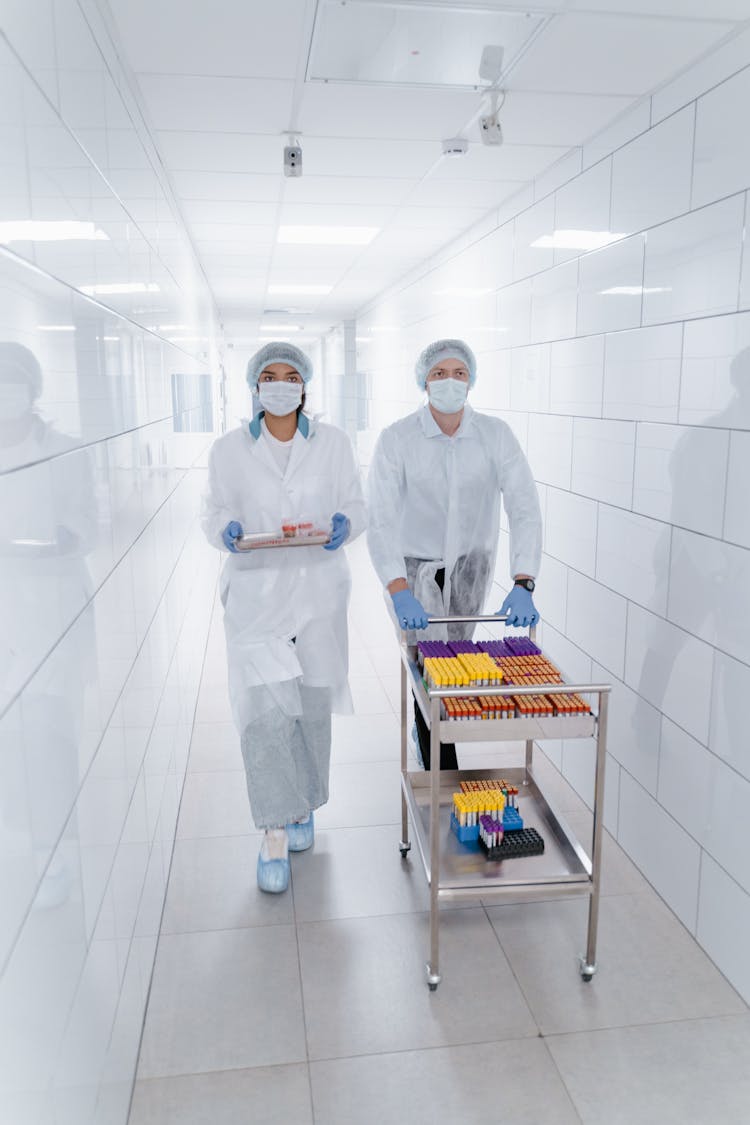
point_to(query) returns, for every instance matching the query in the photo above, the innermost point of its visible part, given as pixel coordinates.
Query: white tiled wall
(106, 587)
(625, 372)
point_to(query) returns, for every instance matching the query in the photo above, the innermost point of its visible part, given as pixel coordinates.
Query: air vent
(415, 44)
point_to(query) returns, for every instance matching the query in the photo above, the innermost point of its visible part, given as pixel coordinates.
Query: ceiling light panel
(413, 44)
(35, 230)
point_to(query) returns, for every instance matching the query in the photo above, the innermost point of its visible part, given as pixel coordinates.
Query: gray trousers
(287, 760)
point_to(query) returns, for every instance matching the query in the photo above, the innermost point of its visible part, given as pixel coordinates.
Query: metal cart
(454, 872)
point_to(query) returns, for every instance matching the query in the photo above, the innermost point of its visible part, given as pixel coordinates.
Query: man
(434, 503)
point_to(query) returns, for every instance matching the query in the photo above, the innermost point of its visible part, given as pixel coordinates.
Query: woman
(284, 608)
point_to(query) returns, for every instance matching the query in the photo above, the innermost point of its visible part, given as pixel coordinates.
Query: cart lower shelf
(465, 870)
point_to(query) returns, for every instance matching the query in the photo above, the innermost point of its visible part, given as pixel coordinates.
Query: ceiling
(224, 81)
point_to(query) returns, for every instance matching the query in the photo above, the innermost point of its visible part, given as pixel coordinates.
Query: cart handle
(480, 617)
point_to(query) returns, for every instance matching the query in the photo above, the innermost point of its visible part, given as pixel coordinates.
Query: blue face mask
(448, 395)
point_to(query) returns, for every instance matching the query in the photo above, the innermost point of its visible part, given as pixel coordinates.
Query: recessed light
(632, 290)
(115, 287)
(326, 236)
(457, 291)
(42, 230)
(576, 240)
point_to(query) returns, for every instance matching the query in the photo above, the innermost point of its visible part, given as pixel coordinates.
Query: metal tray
(564, 867)
(262, 540)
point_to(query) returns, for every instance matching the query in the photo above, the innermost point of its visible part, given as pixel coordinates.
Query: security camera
(292, 160)
(490, 129)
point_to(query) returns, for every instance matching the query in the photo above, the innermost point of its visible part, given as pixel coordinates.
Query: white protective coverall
(285, 610)
(434, 504)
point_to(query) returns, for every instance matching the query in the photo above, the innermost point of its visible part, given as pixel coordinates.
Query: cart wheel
(587, 970)
(404, 849)
(433, 979)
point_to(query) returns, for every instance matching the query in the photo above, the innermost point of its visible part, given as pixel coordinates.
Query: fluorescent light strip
(459, 292)
(326, 236)
(632, 290)
(576, 240)
(279, 328)
(56, 327)
(42, 230)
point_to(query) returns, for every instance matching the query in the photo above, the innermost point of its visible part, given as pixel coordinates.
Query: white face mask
(15, 401)
(280, 398)
(448, 395)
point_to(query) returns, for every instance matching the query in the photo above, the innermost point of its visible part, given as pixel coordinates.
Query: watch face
(527, 583)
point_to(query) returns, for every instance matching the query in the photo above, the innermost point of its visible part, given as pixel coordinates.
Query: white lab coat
(437, 498)
(285, 610)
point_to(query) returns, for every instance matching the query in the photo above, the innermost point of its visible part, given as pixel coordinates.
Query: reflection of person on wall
(48, 524)
(658, 663)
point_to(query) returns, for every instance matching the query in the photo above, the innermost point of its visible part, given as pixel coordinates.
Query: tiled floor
(312, 1006)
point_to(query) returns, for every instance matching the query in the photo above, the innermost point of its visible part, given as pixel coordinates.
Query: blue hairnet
(445, 349)
(276, 351)
(17, 362)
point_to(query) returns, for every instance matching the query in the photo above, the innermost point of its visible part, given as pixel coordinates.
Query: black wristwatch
(527, 583)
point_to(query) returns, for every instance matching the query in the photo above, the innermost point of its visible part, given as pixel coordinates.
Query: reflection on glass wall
(105, 598)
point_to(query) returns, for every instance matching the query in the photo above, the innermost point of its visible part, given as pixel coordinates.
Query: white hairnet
(445, 349)
(276, 351)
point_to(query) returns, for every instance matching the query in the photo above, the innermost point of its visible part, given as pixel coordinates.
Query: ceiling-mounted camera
(293, 159)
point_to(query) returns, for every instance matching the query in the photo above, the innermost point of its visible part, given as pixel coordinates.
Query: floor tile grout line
(147, 1002)
(302, 996)
(546, 1037)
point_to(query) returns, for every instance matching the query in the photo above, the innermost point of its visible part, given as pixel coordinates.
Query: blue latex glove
(231, 532)
(520, 608)
(410, 613)
(341, 528)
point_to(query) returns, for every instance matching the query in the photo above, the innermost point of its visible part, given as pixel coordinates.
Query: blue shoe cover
(301, 836)
(273, 875)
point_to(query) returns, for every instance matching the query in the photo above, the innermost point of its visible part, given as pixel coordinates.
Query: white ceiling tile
(328, 260)
(221, 186)
(611, 54)
(229, 211)
(221, 152)
(225, 105)
(234, 250)
(237, 233)
(482, 194)
(449, 219)
(331, 189)
(332, 156)
(243, 37)
(507, 162)
(354, 214)
(334, 110)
